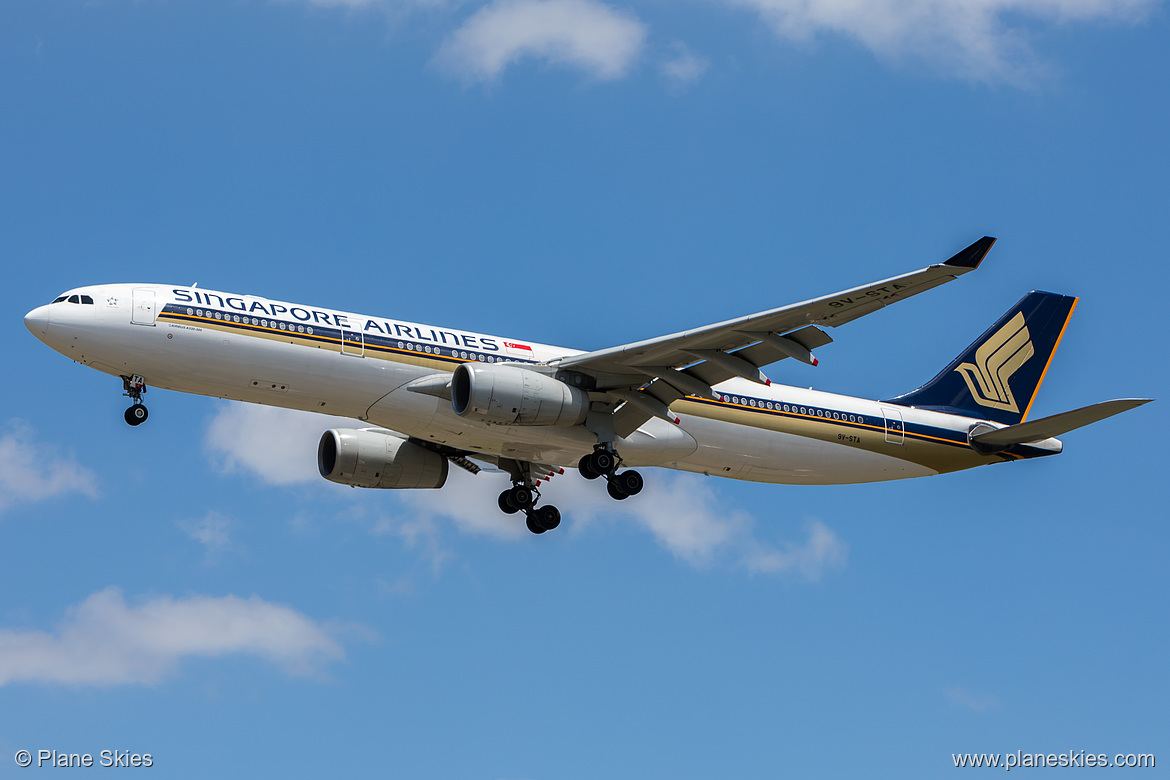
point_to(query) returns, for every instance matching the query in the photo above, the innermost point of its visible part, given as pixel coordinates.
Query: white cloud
(822, 550)
(213, 531)
(469, 502)
(684, 513)
(688, 516)
(583, 34)
(683, 67)
(980, 39)
(102, 641)
(277, 445)
(31, 470)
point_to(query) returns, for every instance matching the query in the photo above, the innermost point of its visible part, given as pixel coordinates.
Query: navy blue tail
(997, 377)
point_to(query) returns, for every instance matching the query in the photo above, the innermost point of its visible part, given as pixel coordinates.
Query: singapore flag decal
(518, 350)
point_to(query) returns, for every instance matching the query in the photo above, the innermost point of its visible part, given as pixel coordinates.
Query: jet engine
(377, 459)
(510, 395)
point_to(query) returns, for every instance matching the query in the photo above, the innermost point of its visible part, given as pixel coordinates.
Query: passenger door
(143, 312)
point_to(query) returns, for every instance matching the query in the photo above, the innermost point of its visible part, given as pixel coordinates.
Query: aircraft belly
(759, 455)
(657, 443)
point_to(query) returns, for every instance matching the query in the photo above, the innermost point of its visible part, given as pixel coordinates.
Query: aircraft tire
(602, 462)
(505, 504)
(520, 497)
(630, 482)
(548, 516)
(585, 466)
(534, 526)
(615, 491)
(136, 414)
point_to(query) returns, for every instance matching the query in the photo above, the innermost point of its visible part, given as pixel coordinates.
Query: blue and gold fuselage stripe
(850, 420)
(337, 337)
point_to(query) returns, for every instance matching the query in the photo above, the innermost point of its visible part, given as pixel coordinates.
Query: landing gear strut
(135, 386)
(522, 497)
(604, 463)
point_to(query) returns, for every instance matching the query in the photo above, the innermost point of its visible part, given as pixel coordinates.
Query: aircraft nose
(37, 321)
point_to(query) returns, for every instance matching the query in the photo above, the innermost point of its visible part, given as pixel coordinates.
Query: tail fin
(997, 377)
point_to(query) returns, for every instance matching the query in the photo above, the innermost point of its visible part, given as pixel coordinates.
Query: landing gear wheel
(521, 497)
(629, 482)
(506, 504)
(615, 491)
(602, 462)
(548, 516)
(136, 414)
(585, 466)
(534, 526)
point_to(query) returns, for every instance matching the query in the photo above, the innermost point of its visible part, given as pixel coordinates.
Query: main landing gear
(522, 498)
(604, 463)
(135, 386)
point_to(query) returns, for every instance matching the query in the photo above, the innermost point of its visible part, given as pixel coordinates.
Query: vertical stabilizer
(997, 377)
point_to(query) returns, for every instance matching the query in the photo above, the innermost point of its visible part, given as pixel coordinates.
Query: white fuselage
(252, 349)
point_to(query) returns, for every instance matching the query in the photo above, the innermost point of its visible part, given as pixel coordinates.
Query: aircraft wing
(648, 375)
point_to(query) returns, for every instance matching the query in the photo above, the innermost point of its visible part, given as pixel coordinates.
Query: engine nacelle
(510, 395)
(374, 459)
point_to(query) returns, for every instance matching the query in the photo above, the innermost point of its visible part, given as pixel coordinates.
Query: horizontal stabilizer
(1047, 427)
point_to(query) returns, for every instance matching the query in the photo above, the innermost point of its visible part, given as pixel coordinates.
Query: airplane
(695, 401)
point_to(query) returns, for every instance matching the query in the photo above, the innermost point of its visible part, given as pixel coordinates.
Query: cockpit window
(88, 299)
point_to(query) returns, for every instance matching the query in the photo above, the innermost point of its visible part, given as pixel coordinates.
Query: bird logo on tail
(996, 360)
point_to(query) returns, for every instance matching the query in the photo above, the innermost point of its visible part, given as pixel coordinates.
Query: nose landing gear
(135, 386)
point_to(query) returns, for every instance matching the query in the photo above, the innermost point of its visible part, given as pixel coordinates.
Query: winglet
(973, 255)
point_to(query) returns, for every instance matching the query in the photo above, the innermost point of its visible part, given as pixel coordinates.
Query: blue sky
(583, 173)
